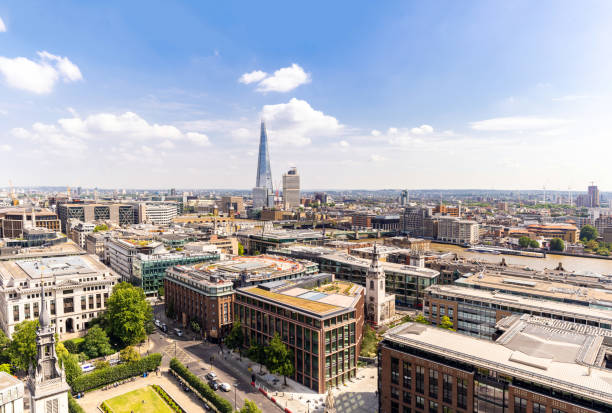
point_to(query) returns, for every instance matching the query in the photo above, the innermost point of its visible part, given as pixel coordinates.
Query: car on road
(157, 323)
(178, 332)
(164, 327)
(225, 387)
(214, 385)
(211, 375)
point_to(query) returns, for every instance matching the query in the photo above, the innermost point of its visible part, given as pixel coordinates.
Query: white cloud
(422, 130)
(198, 138)
(517, 123)
(166, 145)
(284, 80)
(344, 144)
(377, 158)
(2, 26)
(296, 123)
(5, 148)
(252, 77)
(375, 132)
(41, 76)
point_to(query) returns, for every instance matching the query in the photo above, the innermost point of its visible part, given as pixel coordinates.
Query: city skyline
(473, 96)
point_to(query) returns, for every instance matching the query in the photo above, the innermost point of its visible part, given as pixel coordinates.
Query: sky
(355, 94)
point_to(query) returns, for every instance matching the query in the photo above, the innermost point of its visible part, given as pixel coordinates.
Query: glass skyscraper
(263, 194)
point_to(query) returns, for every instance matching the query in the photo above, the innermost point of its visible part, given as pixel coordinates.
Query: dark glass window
(462, 392)
(407, 370)
(420, 379)
(539, 408)
(520, 405)
(433, 407)
(420, 402)
(394, 393)
(433, 383)
(447, 388)
(394, 370)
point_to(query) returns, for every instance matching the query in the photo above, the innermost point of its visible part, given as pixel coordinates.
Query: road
(196, 355)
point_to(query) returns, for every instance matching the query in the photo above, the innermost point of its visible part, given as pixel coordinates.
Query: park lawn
(132, 402)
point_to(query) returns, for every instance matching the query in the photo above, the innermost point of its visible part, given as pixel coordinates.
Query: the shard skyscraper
(263, 193)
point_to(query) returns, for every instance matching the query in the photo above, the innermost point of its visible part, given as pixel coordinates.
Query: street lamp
(308, 404)
(235, 391)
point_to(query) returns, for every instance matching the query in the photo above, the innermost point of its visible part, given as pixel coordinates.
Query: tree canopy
(22, 350)
(235, 338)
(250, 407)
(445, 322)
(128, 314)
(534, 244)
(279, 359)
(557, 244)
(129, 354)
(588, 233)
(96, 343)
(524, 241)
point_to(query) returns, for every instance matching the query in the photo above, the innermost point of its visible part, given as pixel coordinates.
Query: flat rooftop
(50, 267)
(410, 270)
(60, 249)
(260, 266)
(514, 359)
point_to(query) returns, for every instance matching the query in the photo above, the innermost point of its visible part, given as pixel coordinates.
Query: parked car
(214, 385)
(178, 332)
(164, 327)
(211, 375)
(87, 367)
(157, 323)
(225, 387)
(206, 407)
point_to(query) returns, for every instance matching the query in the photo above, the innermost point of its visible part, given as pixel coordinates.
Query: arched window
(371, 285)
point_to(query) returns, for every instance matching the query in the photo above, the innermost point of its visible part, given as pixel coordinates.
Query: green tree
(557, 244)
(279, 359)
(235, 338)
(100, 227)
(5, 368)
(101, 364)
(68, 361)
(249, 407)
(71, 346)
(588, 233)
(421, 319)
(534, 244)
(128, 314)
(195, 327)
(524, 241)
(129, 354)
(5, 343)
(591, 245)
(445, 322)
(160, 292)
(240, 249)
(22, 350)
(603, 251)
(96, 343)
(257, 354)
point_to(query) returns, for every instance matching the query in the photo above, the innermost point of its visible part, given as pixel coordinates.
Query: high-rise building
(263, 194)
(291, 189)
(593, 194)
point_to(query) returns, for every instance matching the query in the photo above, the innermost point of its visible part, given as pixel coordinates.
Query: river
(551, 261)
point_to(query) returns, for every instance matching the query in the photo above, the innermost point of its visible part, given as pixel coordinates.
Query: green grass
(132, 402)
(370, 341)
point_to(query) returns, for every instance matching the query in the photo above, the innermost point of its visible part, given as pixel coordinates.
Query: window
(371, 285)
(539, 408)
(407, 370)
(447, 409)
(447, 388)
(433, 383)
(520, 405)
(394, 393)
(394, 407)
(557, 411)
(433, 407)
(15, 313)
(420, 402)
(462, 392)
(420, 379)
(394, 370)
(407, 397)
(407, 409)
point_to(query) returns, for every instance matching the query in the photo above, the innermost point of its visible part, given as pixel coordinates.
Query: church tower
(375, 289)
(47, 383)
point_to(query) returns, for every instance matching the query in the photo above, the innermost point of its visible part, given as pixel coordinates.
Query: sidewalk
(188, 401)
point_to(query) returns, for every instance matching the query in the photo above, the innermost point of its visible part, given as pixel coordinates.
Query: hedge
(99, 378)
(73, 406)
(205, 391)
(169, 400)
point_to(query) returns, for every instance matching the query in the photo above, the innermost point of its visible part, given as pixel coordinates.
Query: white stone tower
(375, 289)
(47, 383)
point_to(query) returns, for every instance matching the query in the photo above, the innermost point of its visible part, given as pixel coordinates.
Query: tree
(534, 244)
(249, 407)
(588, 233)
(421, 319)
(160, 292)
(5, 343)
(235, 338)
(5, 368)
(101, 364)
(96, 343)
(445, 322)
(524, 241)
(279, 359)
(591, 245)
(195, 327)
(100, 227)
(557, 244)
(240, 249)
(128, 314)
(71, 346)
(129, 354)
(22, 350)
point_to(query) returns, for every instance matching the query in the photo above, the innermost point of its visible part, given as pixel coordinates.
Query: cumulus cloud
(296, 123)
(422, 130)
(377, 158)
(252, 77)
(517, 123)
(344, 144)
(283, 80)
(38, 76)
(2, 26)
(5, 148)
(73, 135)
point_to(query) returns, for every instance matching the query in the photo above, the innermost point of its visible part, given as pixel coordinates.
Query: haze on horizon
(441, 94)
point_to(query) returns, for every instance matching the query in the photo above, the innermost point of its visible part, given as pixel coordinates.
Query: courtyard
(141, 400)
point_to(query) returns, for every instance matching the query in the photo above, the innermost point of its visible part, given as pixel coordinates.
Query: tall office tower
(263, 194)
(291, 189)
(404, 198)
(593, 196)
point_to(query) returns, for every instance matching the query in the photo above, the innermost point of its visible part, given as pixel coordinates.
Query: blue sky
(439, 94)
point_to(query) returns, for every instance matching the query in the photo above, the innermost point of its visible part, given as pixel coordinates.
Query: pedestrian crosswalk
(175, 351)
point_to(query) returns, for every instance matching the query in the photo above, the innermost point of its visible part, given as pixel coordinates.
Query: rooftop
(549, 362)
(310, 304)
(260, 266)
(60, 249)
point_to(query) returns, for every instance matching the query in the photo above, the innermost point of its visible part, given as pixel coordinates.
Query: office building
(77, 288)
(15, 220)
(567, 232)
(291, 189)
(261, 241)
(477, 301)
(403, 201)
(11, 393)
(593, 196)
(458, 231)
(156, 213)
(386, 222)
(120, 253)
(118, 214)
(79, 232)
(412, 220)
(535, 366)
(233, 205)
(319, 319)
(194, 295)
(263, 194)
(363, 219)
(94, 244)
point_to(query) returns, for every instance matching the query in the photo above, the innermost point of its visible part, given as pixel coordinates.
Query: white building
(291, 189)
(11, 394)
(77, 287)
(458, 231)
(158, 213)
(120, 254)
(79, 232)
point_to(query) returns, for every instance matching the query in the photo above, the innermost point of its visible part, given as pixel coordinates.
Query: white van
(87, 367)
